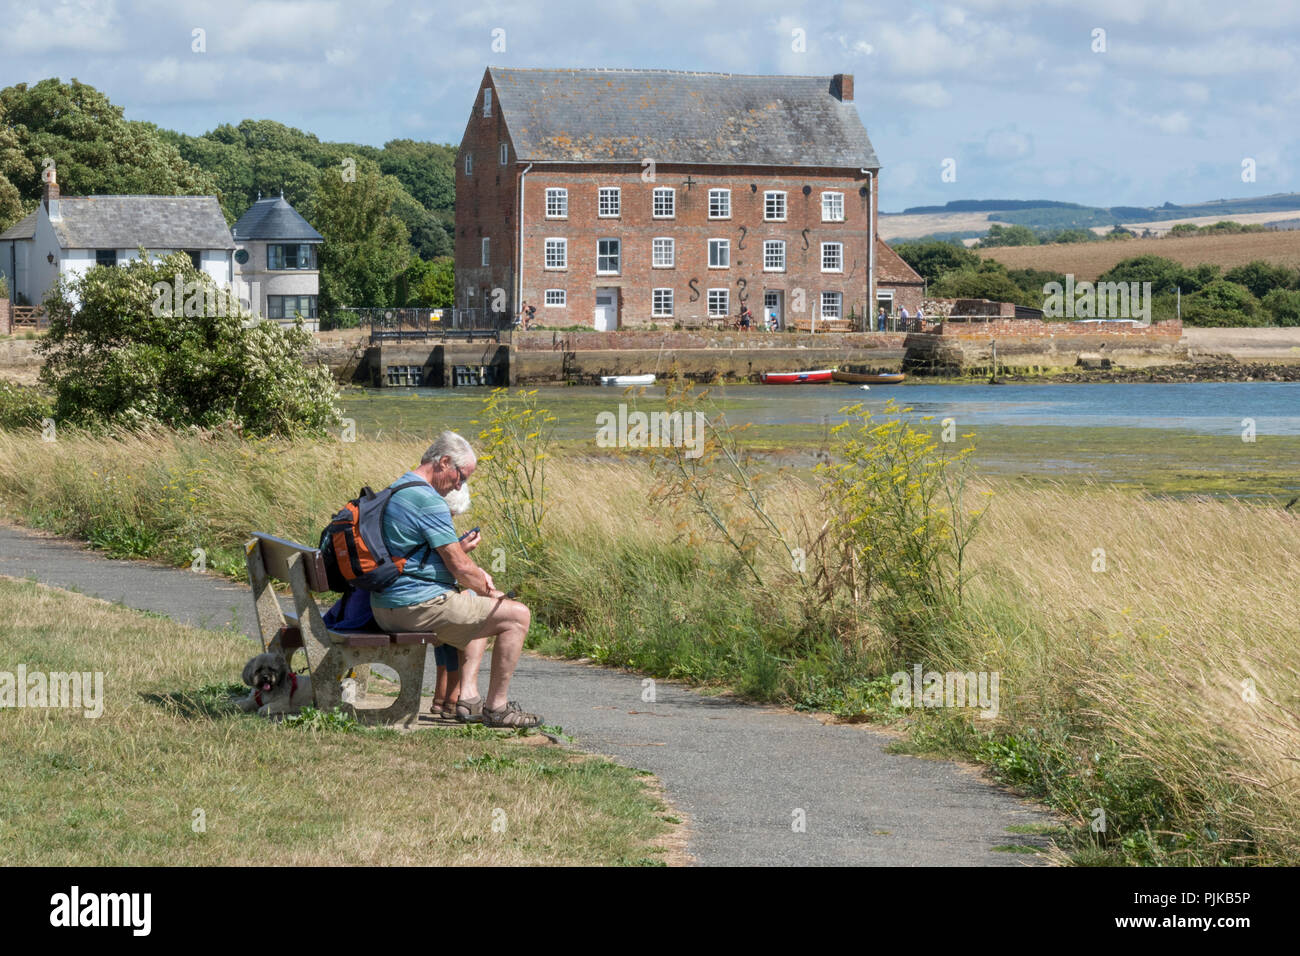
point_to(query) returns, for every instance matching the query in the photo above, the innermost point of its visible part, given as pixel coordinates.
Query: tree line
(1013, 235)
(387, 214)
(1255, 294)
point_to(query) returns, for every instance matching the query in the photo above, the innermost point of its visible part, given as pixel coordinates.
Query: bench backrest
(275, 559)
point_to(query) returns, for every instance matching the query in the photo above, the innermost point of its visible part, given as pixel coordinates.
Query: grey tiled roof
(24, 228)
(155, 222)
(673, 117)
(274, 219)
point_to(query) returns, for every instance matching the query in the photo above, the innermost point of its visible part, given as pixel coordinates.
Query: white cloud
(1174, 123)
(81, 26)
(1007, 144)
(946, 79)
(931, 95)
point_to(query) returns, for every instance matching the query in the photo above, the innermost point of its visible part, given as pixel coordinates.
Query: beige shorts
(456, 617)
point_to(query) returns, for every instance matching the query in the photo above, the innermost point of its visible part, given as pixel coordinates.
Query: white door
(772, 307)
(606, 317)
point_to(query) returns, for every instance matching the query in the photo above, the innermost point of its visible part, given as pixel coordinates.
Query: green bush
(1283, 306)
(1261, 278)
(1032, 282)
(900, 523)
(969, 284)
(931, 260)
(430, 284)
(1165, 275)
(1223, 304)
(1009, 236)
(22, 407)
(339, 319)
(124, 348)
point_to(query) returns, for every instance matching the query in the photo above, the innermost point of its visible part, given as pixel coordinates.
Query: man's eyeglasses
(460, 476)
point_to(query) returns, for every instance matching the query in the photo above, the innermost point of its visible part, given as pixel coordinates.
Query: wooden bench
(823, 325)
(331, 655)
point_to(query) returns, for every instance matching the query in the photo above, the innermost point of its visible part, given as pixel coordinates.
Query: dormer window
(487, 101)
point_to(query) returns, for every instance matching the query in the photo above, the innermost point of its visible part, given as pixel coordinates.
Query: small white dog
(276, 689)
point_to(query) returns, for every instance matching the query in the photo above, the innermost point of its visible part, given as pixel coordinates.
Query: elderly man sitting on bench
(425, 598)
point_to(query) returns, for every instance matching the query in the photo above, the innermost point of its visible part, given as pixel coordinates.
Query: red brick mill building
(661, 198)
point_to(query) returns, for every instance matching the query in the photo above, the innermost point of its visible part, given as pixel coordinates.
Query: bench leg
(408, 661)
(325, 677)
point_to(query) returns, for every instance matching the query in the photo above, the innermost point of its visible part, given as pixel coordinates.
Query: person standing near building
(880, 320)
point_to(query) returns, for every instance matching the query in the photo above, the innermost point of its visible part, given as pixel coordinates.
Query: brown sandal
(469, 711)
(511, 716)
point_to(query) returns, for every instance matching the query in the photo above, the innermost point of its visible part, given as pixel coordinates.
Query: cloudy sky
(1102, 102)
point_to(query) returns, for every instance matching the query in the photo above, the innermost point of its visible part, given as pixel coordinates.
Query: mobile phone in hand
(468, 533)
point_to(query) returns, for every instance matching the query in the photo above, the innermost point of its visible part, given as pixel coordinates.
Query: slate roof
(24, 228)
(274, 219)
(677, 117)
(893, 268)
(155, 222)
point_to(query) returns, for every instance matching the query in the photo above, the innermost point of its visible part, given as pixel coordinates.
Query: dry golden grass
(916, 225)
(1088, 260)
(122, 789)
(1183, 650)
(1159, 227)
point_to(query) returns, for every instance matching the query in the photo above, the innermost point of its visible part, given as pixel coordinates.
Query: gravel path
(743, 774)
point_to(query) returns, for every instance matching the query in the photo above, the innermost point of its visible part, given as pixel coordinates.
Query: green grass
(169, 751)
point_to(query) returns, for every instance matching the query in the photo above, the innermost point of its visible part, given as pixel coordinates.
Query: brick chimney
(842, 87)
(51, 190)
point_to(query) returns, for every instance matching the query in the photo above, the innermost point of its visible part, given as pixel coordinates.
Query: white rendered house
(67, 236)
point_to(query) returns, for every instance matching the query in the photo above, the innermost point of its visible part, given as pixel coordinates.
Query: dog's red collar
(293, 688)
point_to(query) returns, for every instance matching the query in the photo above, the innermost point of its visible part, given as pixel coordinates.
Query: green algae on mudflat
(1154, 460)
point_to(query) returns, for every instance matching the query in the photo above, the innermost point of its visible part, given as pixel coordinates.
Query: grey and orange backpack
(352, 544)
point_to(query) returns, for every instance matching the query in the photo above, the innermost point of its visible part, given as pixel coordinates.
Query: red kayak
(797, 378)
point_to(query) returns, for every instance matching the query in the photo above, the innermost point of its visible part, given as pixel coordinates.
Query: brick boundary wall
(635, 339)
(1038, 328)
(5, 313)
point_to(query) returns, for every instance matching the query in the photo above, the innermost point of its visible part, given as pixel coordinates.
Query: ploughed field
(1088, 260)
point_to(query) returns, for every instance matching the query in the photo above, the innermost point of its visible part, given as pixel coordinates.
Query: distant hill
(990, 205)
(966, 218)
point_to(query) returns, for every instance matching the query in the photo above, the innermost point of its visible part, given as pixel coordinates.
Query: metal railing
(395, 324)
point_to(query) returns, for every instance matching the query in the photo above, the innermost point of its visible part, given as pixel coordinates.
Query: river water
(1201, 407)
(1195, 407)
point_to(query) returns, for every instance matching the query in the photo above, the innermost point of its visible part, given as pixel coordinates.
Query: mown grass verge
(169, 774)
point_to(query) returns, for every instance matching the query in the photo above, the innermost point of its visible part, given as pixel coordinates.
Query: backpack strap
(384, 511)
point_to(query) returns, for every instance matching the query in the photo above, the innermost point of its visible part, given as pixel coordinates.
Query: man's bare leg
(508, 625)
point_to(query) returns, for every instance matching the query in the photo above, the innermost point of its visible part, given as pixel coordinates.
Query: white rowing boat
(623, 381)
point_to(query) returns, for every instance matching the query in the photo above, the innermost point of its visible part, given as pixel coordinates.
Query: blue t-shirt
(416, 518)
